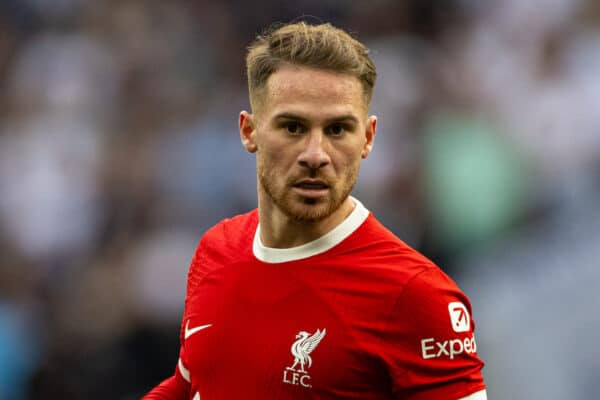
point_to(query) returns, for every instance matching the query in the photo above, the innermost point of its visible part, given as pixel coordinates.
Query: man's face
(310, 133)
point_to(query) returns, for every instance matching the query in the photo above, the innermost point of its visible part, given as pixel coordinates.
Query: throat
(292, 234)
(281, 231)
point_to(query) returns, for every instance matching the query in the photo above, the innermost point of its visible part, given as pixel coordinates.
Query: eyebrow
(292, 116)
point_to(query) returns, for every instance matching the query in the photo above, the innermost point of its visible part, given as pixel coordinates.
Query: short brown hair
(319, 46)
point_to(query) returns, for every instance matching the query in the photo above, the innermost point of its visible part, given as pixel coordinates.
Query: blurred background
(119, 148)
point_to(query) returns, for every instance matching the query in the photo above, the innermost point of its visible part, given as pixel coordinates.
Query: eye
(293, 127)
(336, 130)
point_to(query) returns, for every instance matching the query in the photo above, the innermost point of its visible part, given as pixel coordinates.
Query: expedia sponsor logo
(432, 348)
(459, 317)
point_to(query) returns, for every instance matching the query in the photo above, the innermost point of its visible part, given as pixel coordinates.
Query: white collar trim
(317, 246)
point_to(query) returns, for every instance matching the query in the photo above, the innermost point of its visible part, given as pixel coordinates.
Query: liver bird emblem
(303, 346)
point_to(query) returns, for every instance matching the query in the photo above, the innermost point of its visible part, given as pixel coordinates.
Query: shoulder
(429, 337)
(431, 305)
(383, 241)
(231, 232)
(420, 280)
(375, 247)
(223, 244)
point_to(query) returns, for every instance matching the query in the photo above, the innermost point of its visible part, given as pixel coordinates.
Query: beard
(303, 209)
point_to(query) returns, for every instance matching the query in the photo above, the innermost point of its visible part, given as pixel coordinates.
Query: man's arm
(178, 386)
(429, 342)
(169, 389)
(175, 387)
(481, 395)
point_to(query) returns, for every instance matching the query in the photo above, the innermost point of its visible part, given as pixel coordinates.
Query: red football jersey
(355, 314)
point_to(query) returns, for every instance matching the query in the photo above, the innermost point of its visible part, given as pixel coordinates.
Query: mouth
(311, 188)
(311, 185)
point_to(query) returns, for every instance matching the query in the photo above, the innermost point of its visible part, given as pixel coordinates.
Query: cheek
(348, 157)
(272, 158)
(274, 164)
(278, 155)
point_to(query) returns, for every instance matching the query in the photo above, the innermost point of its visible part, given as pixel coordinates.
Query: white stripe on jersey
(184, 371)
(481, 395)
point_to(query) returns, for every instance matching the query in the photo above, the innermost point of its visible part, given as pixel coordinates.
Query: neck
(278, 230)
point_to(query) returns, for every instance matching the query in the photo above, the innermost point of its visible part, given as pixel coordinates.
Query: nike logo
(190, 332)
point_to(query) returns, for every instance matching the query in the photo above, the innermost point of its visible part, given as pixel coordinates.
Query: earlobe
(247, 131)
(370, 131)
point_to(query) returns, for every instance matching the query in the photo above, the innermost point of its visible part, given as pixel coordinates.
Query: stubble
(300, 209)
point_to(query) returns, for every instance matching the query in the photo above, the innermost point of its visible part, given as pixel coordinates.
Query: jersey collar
(317, 246)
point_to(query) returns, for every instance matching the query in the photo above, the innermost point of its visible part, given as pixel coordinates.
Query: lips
(311, 185)
(311, 189)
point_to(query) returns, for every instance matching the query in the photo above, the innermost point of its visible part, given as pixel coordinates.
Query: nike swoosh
(190, 332)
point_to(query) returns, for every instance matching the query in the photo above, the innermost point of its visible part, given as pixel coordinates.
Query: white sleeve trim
(184, 371)
(481, 395)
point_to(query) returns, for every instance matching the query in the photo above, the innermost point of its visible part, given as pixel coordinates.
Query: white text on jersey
(431, 348)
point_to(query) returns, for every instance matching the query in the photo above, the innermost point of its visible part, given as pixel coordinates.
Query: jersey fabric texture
(355, 314)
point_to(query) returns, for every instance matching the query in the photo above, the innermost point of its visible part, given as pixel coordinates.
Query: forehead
(309, 88)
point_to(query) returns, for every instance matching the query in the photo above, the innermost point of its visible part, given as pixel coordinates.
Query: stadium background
(119, 147)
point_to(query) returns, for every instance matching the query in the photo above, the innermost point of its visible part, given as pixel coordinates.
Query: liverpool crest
(305, 343)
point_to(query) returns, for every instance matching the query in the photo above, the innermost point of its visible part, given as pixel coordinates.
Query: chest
(282, 334)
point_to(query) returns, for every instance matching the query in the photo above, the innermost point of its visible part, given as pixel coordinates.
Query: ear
(370, 131)
(247, 131)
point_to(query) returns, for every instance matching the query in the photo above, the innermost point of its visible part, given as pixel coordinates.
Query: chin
(310, 210)
(310, 215)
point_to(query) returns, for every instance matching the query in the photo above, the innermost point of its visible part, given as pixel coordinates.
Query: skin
(310, 134)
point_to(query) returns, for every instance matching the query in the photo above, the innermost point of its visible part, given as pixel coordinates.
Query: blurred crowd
(119, 148)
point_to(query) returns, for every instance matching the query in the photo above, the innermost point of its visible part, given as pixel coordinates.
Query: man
(309, 296)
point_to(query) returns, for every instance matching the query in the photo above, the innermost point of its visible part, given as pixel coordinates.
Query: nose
(314, 154)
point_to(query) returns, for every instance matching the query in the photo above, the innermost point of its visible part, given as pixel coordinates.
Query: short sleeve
(429, 345)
